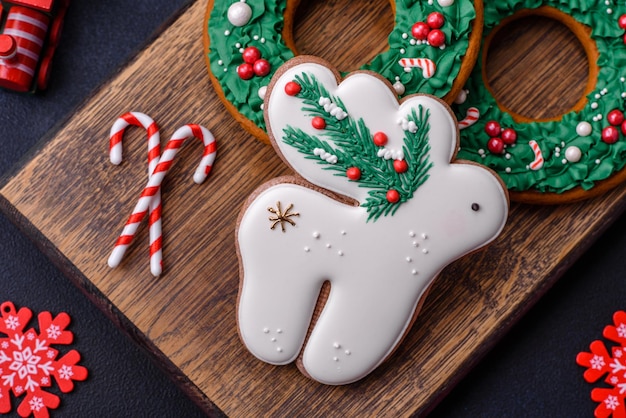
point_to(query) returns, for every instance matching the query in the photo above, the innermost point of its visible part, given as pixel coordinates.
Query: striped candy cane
(155, 180)
(154, 151)
(428, 66)
(538, 162)
(471, 117)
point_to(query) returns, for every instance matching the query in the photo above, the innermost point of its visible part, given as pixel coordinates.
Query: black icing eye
(475, 207)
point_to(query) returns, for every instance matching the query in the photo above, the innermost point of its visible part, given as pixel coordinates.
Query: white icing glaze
(377, 270)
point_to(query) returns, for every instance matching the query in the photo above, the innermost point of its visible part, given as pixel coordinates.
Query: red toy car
(30, 32)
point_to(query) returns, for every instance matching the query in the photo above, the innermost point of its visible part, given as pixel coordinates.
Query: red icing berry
(400, 166)
(622, 21)
(624, 127)
(420, 31)
(292, 88)
(353, 173)
(261, 67)
(610, 134)
(509, 136)
(318, 122)
(492, 128)
(245, 71)
(435, 20)
(615, 117)
(496, 145)
(393, 196)
(251, 54)
(436, 38)
(380, 139)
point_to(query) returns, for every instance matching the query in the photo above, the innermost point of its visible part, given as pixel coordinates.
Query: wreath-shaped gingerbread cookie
(432, 49)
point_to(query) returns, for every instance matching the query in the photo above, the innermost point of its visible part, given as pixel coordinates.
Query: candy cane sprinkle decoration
(163, 166)
(428, 66)
(538, 162)
(470, 118)
(154, 152)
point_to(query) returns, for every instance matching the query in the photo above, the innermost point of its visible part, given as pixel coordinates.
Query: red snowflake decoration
(599, 363)
(28, 361)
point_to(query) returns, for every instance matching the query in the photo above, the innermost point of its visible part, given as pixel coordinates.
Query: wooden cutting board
(73, 202)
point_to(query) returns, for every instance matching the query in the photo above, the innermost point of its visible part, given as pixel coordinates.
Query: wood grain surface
(74, 203)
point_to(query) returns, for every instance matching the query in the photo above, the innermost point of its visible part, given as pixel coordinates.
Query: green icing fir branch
(353, 146)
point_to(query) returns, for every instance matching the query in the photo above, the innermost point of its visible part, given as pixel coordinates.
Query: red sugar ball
(292, 88)
(435, 20)
(436, 38)
(492, 128)
(624, 127)
(622, 21)
(509, 136)
(353, 173)
(420, 31)
(393, 196)
(245, 71)
(318, 122)
(251, 54)
(400, 166)
(615, 117)
(610, 134)
(380, 139)
(495, 145)
(261, 67)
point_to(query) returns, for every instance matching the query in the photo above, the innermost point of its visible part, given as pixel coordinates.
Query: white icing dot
(226, 32)
(280, 331)
(273, 339)
(255, 37)
(604, 91)
(416, 244)
(573, 154)
(266, 330)
(335, 358)
(348, 352)
(316, 234)
(445, 3)
(597, 96)
(425, 251)
(220, 62)
(598, 161)
(507, 156)
(225, 69)
(262, 40)
(508, 169)
(279, 349)
(328, 245)
(623, 95)
(564, 161)
(402, 50)
(557, 154)
(238, 45)
(622, 79)
(239, 14)
(241, 50)
(340, 253)
(336, 345)
(481, 151)
(584, 129)
(609, 11)
(262, 91)
(409, 259)
(594, 105)
(405, 35)
(414, 272)
(343, 232)
(307, 249)
(425, 236)
(411, 233)
(413, 41)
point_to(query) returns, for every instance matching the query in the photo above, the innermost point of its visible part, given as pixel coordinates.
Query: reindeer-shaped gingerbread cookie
(378, 212)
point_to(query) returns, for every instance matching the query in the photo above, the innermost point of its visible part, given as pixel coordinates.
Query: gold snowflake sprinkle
(282, 217)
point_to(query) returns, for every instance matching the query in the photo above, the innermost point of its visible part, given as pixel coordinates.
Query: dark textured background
(530, 373)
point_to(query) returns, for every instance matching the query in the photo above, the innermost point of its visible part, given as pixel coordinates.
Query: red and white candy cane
(163, 166)
(538, 162)
(428, 66)
(471, 117)
(154, 152)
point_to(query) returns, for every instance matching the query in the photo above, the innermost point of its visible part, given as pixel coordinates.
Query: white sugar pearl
(399, 88)
(573, 154)
(583, 129)
(461, 98)
(239, 14)
(445, 3)
(262, 91)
